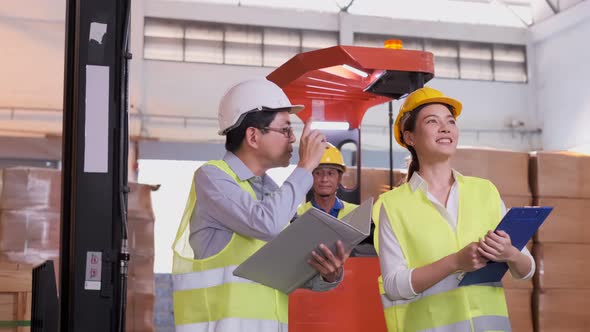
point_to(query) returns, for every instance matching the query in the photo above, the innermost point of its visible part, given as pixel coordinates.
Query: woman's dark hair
(257, 119)
(410, 125)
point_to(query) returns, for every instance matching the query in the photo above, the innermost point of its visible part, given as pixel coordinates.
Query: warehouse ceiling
(515, 13)
(31, 94)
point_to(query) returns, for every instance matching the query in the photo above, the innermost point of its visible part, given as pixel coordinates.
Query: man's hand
(329, 266)
(497, 247)
(311, 148)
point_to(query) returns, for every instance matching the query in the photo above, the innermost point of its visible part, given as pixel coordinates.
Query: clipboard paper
(282, 262)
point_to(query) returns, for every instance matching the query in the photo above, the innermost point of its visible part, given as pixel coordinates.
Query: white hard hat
(250, 96)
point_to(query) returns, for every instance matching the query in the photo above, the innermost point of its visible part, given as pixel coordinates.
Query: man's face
(277, 147)
(326, 180)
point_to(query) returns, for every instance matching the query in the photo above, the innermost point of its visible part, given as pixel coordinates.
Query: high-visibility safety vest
(348, 207)
(207, 296)
(425, 237)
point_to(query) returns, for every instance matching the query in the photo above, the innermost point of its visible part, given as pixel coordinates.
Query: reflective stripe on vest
(444, 306)
(206, 293)
(447, 284)
(480, 324)
(205, 279)
(346, 209)
(234, 324)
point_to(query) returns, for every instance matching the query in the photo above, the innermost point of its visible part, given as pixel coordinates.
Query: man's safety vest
(348, 207)
(207, 296)
(425, 237)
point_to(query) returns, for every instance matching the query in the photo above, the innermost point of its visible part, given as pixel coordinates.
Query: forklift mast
(94, 257)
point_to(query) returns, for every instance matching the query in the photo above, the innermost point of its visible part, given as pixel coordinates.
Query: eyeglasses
(286, 131)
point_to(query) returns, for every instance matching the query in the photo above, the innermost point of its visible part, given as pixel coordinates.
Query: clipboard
(521, 223)
(282, 262)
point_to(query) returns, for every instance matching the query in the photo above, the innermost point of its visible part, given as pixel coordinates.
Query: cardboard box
(140, 294)
(374, 181)
(13, 232)
(560, 310)
(30, 188)
(29, 236)
(141, 236)
(140, 313)
(520, 309)
(141, 266)
(36, 230)
(140, 201)
(560, 174)
(562, 266)
(508, 170)
(567, 223)
(514, 201)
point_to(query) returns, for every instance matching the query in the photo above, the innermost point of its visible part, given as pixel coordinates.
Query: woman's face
(436, 133)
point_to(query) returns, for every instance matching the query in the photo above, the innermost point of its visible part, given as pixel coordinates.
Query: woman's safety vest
(207, 296)
(425, 237)
(348, 207)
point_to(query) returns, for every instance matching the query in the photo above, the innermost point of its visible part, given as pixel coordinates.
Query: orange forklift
(338, 85)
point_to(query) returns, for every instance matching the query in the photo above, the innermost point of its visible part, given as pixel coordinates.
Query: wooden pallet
(15, 297)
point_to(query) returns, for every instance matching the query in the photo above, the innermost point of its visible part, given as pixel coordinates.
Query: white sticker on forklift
(93, 270)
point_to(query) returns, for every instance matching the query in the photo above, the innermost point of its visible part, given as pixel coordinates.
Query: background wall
(561, 74)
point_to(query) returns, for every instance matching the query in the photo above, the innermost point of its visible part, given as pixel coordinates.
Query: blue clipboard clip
(521, 223)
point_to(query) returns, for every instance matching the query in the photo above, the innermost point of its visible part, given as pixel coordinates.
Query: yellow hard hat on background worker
(333, 158)
(422, 96)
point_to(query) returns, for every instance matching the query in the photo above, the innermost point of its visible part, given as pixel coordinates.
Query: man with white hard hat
(234, 207)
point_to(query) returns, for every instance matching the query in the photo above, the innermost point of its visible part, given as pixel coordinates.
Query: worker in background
(327, 177)
(439, 225)
(234, 208)
(326, 180)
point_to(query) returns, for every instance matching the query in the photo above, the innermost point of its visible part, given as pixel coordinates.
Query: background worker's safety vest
(425, 237)
(207, 296)
(348, 207)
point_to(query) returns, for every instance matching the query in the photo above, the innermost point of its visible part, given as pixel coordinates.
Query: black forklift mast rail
(94, 252)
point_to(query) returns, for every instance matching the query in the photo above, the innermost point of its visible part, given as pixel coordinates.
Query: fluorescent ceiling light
(329, 125)
(356, 71)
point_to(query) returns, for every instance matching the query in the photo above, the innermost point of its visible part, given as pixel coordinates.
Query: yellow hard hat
(425, 95)
(333, 157)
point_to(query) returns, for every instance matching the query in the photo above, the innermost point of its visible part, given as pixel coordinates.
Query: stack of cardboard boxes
(29, 235)
(30, 203)
(30, 215)
(562, 245)
(141, 285)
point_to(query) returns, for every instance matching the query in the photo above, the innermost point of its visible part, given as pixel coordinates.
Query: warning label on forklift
(93, 270)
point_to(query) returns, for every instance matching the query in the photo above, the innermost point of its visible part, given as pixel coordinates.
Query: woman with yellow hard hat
(437, 226)
(326, 179)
